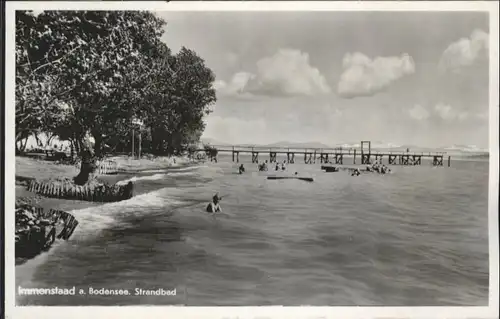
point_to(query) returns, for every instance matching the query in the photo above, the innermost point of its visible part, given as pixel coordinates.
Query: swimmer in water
(214, 206)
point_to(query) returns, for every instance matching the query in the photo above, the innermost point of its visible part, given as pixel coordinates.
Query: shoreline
(28, 168)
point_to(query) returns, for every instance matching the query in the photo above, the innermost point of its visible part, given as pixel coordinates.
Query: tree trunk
(155, 142)
(77, 147)
(23, 145)
(98, 151)
(49, 139)
(88, 165)
(22, 139)
(38, 142)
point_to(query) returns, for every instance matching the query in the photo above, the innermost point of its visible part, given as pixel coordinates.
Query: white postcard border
(13, 311)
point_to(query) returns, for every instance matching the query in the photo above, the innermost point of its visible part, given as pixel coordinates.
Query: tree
(187, 92)
(92, 60)
(83, 74)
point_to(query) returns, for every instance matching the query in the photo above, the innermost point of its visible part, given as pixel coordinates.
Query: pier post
(438, 160)
(339, 158)
(307, 158)
(233, 153)
(354, 161)
(272, 157)
(405, 160)
(417, 159)
(449, 161)
(392, 159)
(255, 157)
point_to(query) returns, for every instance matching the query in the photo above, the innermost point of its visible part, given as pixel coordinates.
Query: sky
(418, 78)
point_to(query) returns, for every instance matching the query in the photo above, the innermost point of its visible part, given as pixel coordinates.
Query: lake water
(416, 237)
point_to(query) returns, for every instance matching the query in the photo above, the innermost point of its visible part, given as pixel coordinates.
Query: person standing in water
(241, 169)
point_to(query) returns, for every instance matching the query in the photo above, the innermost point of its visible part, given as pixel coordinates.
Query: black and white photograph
(183, 154)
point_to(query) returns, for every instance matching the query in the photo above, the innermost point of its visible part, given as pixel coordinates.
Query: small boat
(306, 179)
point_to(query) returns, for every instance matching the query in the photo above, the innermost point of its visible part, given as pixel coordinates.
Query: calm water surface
(416, 237)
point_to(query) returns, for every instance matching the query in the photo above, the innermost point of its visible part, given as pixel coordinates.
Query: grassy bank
(128, 164)
(43, 170)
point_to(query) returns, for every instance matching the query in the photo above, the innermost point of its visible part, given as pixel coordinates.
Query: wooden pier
(332, 155)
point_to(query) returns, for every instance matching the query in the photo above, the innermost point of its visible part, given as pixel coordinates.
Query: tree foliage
(82, 74)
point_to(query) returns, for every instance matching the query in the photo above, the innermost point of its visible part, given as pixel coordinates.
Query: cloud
(465, 52)
(231, 58)
(235, 130)
(363, 76)
(286, 73)
(419, 112)
(236, 85)
(446, 112)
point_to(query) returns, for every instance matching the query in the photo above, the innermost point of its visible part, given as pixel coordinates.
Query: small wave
(93, 219)
(142, 178)
(182, 173)
(189, 168)
(171, 169)
(154, 171)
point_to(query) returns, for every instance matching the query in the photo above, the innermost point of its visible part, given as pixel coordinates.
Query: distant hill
(466, 148)
(211, 141)
(297, 145)
(285, 144)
